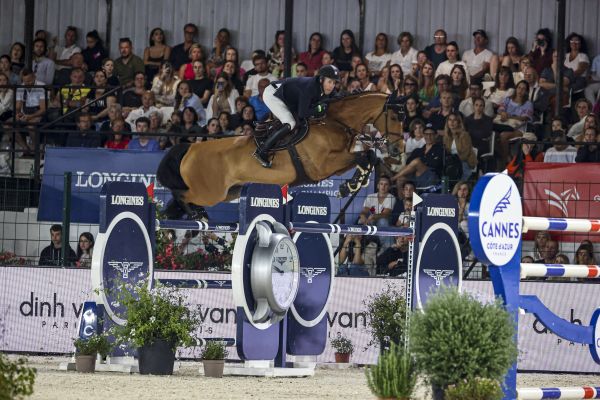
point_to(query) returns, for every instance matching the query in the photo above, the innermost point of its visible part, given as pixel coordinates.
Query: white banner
(40, 307)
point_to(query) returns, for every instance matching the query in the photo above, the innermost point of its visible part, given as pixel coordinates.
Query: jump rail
(561, 224)
(306, 227)
(584, 392)
(559, 270)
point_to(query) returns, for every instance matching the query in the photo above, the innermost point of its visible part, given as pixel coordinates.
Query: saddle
(262, 130)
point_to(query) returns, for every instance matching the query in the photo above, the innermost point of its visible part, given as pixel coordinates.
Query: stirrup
(265, 163)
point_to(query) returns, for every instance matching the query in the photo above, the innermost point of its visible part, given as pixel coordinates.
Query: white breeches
(278, 107)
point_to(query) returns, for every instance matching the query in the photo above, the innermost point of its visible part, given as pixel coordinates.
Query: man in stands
(549, 253)
(85, 137)
(53, 254)
(128, 64)
(478, 59)
(63, 54)
(590, 152)
(179, 54)
(261, 66)
(561, 152)
(144, 143)
(260, 108)
(475, 91)
(42, 66)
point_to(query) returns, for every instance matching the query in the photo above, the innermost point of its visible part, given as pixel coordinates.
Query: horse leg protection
(360, 178)
(174, 208)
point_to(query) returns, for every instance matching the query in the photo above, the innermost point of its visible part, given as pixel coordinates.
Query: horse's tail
(168, 173)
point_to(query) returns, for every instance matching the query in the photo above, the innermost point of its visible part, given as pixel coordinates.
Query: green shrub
(395, 374)
(342, 344)
(475, 389)
(214, 350)
(92, 345)
(386, 312)
(16, 378)
(458, 338)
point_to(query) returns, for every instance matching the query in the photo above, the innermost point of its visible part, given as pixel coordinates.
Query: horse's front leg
(365, 161)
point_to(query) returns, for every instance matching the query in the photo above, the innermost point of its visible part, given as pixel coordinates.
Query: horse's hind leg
(177, 208)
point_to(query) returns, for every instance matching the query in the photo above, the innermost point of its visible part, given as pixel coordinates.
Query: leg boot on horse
(262, 153)
(365, 162)
(177, 208)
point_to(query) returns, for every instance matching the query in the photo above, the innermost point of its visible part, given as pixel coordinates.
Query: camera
(540, 42)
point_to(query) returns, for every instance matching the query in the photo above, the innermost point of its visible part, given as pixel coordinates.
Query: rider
(299, 97)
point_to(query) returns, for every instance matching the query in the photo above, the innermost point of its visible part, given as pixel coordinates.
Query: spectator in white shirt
(478, 59)
(42, 66)
(561, 152)
(406, 56)
(63, 54)
(445, 68)
(261, 67)
(380, 57)
(475, 92)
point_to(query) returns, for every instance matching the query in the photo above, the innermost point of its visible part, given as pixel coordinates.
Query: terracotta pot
(213, 368)
(85, 363)
(157, 358)
(342, 357)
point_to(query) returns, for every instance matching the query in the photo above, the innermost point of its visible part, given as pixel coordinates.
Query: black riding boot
(262, 153)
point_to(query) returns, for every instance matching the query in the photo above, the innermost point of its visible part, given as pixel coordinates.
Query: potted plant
(213, 358)
(158, 321)
(475, 389)
(343, 348)
(394, 376)
(457, 338)
(386, 312)
(16, 378)
(86, 351)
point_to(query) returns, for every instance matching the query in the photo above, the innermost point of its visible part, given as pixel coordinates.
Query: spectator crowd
(462, 108)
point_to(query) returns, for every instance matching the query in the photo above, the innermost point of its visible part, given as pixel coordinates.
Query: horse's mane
(348, 99)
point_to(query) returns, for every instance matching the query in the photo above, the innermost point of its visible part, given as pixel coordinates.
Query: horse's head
(355, 111)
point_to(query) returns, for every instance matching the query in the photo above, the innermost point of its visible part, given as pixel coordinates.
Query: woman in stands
(213, 127)
(380, 57)
(17, 57)
(189, 125)
(108, 66)
(233, 71)
(6, 99)
(95, 52)
(313, 56)
(529, 153)
(6, 68)
(344, 52)
(276, 53)
(480, 128)
(541, 52)
(201, 85)
(427, 87)
(223, 97)
(156, 53)
(512, 55)
(185, 98)
(164, 85)
(503, 87)
(462, 191)
(231, 54)
(513, 115)
(216, 57)
(577, 60)
(395, 79)
(186, 72)
(459, 84)
(85, 250)
(457, 141)
(99, 108)
(362, 75)
(412, 110)
(382, 80)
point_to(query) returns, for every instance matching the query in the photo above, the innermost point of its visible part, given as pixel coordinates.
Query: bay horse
(210, 172)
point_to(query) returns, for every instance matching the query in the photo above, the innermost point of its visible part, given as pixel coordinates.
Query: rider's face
(328, 85)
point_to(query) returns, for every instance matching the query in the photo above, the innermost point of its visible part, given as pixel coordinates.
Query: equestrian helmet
(330, 71)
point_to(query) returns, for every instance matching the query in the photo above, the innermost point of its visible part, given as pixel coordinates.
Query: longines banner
(91, 168)
(39, 310)
(562, 190)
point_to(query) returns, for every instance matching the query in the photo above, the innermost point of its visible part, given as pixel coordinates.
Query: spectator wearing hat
(479, 58)
(561, 152)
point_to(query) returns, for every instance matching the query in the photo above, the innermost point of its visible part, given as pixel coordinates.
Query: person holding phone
(541, 52)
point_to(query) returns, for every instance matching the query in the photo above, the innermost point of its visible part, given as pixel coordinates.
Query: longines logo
(266, 202)
(312, 210)
(311, 273)
(441, 212)
(96, 179)
(438, 274)
(120, 200)
(125, 267)
(561, 200)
